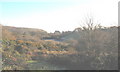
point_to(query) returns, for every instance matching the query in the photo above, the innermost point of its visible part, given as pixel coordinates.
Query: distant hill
(24, 33)
(36, 34)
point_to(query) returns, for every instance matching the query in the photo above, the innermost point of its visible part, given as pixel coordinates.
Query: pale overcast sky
(62, 15)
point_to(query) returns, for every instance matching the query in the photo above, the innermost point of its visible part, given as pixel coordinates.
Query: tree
(98, 43)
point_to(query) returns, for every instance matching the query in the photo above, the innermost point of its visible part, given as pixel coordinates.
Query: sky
(62, 15)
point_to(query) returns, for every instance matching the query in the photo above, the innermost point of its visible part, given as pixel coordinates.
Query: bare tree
(98, 42)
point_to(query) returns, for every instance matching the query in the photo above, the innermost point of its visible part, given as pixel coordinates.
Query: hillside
(81, 49)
